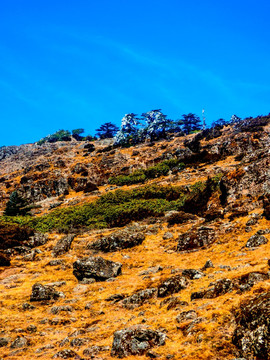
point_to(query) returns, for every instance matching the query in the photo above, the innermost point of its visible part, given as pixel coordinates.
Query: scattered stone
(55, 262)
(178, 217)
(31, 328)
(44, 292)
(207, 265)
(59, 321)
(78, 342)
(38, 239)
(167, 235)
(115, 298)
(139, 298)
(3, 341)
(96, 268)
(116, 241)
(19, 342)
(172, 285)
(151, 270)
(173, 302)
(136, 340)
(186, 316)
(27, 306)
(256, 240)
(193, 274)
(63, 245)
(220, 287)
(64, 308)
(94, 350)
(196, 238)
(252, 334)
(66, 354)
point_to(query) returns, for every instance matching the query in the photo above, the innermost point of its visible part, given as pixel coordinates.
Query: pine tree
(191, 122)
(156, 124)
(107, 130)
(16, 205)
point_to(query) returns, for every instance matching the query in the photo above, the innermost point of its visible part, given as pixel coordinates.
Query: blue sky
(68, 64)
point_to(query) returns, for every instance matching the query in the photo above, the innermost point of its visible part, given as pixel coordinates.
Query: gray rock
(3, 341)
(66, 354)
(44, 292)
(193, 274)
(207, 265)
(218, 288)
(96, 268)
(19, 342)
(196, 238)
(78, 342)
(37, 239)
(186, 316)
(256, 240)
(252, 334)
(64, 308)
(172, 285)
(136, 340)
(116, 241)
(139, 298)
(63, 245)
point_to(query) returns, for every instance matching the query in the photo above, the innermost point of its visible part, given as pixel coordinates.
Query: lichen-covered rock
(178, 217)
(19, 342)
(63, 245)
(96, 268)
(139, 298)
(118, 240)
(252, 334)
(193, 274)
(136, 340)
(66, 354)
(256, 240)
(186, 316)
(43, 292)
(82, 184)
(172, 285)
(38, 239)
(196, 238)
(3, 341)
(218, 288)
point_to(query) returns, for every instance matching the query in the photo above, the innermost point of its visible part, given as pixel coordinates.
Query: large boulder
(116, 241)
(96, 268)
(136, 340)
(82, 184)
(63, 245)
(172, 285)
(252, 334)
(196, 238)
(218, 288)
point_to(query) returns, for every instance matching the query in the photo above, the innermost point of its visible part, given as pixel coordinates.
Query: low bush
(141, 175)
(120, 207)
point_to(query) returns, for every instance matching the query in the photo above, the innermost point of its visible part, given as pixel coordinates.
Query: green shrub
(120, 207)
(140, 176)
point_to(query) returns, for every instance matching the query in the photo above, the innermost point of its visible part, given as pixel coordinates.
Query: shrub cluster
(121, 207)
(140, 176)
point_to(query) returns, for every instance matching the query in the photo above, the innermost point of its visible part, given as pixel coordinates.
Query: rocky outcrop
(63, 245)
(82, 184)
(196, 238)
(220, 287)
(14, 235)
(43, 189)
(116, 241)
(96, 268)
(178, 217)
(252, 334)
(136, 341)
(44, 292)
(172, 285)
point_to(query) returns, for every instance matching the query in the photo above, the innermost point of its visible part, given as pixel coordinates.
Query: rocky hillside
(160, 250)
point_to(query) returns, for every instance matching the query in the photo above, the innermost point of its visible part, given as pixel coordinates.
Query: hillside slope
(187, 244)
